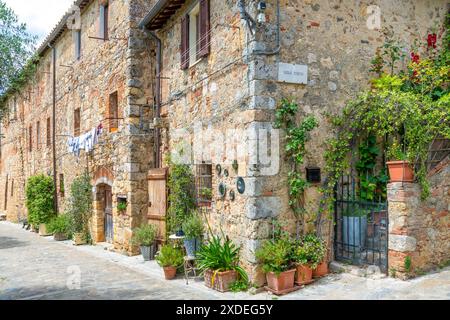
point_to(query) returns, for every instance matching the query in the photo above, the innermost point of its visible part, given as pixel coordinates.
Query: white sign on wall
(292, 73)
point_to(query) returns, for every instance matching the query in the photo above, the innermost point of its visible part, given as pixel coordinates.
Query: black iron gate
(361, 228)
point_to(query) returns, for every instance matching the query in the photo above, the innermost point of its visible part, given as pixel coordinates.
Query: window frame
(104, 21)
(77, 124)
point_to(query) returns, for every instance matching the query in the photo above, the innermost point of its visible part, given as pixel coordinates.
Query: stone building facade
(97, 85)
(237, 87)
(217, 106)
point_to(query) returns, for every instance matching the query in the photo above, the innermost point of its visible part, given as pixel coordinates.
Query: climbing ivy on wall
(409, 107)
(295, 148)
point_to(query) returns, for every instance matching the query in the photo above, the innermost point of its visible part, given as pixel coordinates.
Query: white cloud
(41, 16)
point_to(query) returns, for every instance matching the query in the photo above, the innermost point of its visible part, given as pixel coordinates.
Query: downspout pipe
(245, 15)
(157, 93)
(55, 181)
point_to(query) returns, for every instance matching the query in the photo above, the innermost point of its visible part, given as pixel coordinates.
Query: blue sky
(39, 15)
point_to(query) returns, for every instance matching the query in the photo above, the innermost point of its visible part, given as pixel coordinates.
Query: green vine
(295, 148)
(181, 197)
(410, 109)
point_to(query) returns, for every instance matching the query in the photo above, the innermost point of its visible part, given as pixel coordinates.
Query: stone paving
(32, 267)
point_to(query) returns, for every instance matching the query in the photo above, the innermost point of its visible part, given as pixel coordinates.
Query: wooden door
(109, 226)
(157, 206)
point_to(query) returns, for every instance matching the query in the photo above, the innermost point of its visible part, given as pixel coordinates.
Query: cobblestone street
(32, 267)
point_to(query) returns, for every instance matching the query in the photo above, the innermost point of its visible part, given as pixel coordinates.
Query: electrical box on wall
(313, 175)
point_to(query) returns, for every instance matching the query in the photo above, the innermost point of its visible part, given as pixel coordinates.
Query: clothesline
(84, 142)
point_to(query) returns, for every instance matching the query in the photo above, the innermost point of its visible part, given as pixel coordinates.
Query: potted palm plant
(170, 259)
(275, 257)
(60, 228)
(145, 237)
(218, 261)
(193, 230)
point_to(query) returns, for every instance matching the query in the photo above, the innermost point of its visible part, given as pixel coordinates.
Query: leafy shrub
(181, 197)
(193, 227)
(170, 257)
(239, 286)
(39, 199)
(275, 255)
(80, 205)
(220, 255)
(145, 235)
(310, 250)
(60, 224)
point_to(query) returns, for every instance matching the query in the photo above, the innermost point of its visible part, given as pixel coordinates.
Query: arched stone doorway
(102, 222)
(104, 226)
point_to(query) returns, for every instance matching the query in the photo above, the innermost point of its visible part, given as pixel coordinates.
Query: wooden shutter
(204, 29)
(77, 122)
(184, 42)
(157, 206)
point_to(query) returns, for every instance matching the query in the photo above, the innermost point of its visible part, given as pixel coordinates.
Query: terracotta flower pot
(170, 273)
(304, 275)
(284, 281)
(222, 281)
(321, 270)
(400, 171)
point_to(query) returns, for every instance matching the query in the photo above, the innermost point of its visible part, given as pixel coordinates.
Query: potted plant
(306, 258)
(317, 255)
(80, 209)
(193, 230)
(170, 259)
(122, 207)
(275, 257)
(60, 227)
(145, 237)
(39, 202)
(400, 170)
(218, 261)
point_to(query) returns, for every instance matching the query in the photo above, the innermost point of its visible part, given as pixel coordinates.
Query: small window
(77, 43)
(76, 122)
(12, 188)
(113, 112)
(104, 13)
(62, 191)
(195, 34)
(203, 185)
(38, 135)
(49, 134)
(30, 138)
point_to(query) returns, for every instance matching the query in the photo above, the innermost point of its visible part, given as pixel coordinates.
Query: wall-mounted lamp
(261, 18)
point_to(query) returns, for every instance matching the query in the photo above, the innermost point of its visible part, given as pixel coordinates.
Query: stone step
(371, 272)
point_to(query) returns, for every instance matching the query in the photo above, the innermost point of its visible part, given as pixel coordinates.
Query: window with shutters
(77, 43)
(38, 135)
(49, 135)
(195, 34)
(76, 122)
(113, 112)
(104, 13)
(30, 138)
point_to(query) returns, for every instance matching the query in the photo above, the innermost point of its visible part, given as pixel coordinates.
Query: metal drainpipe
(157, 93)
(55, 191)
(246, 16)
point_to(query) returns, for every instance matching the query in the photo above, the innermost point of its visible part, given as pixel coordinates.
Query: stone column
(403, 200)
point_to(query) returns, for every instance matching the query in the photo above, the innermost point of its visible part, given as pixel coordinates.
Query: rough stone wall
(121, 158)
(419, 229)
(330, 37)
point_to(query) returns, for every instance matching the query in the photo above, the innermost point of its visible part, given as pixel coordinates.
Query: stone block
(402, 243)
(262, 208)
